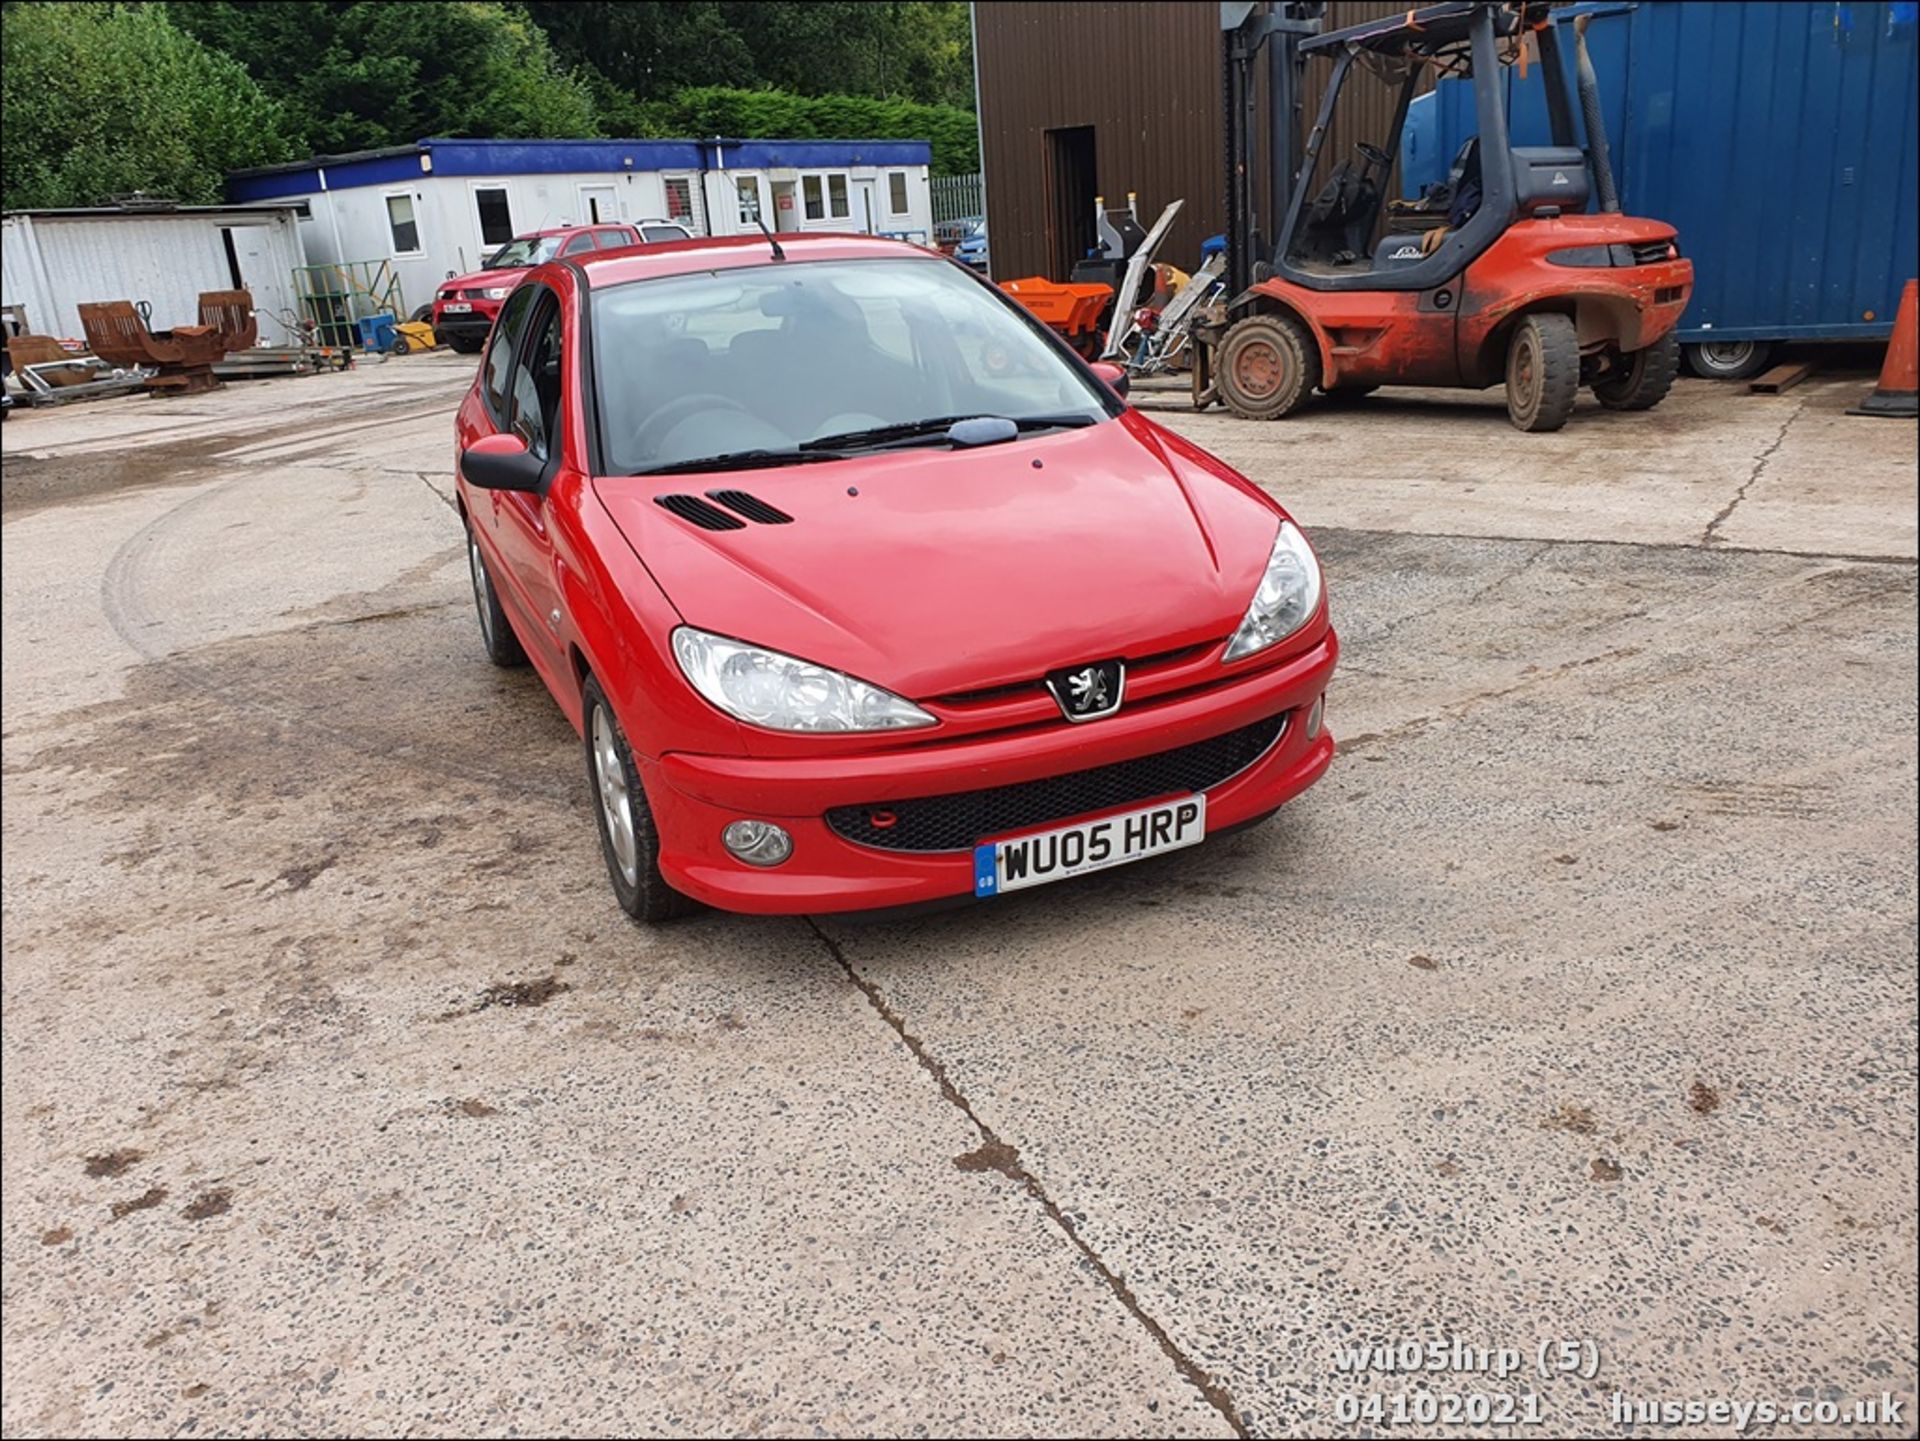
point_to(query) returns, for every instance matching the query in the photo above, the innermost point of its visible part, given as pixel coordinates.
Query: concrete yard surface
(1576, 1004)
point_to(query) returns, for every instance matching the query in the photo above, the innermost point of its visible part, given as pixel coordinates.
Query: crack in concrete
(1710, 536)
(1455, 709)
(445, 499)
(1511, 574)
(995, 1154)
(1849, 556)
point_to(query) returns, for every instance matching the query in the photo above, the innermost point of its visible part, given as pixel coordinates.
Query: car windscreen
(527, 251)
(773, 357)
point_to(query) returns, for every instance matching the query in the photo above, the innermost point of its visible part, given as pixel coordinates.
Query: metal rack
(335, 298)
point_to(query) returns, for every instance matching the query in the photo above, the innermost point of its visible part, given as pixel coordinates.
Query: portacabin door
(599, 204)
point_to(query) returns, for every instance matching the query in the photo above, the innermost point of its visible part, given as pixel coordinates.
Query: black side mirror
(1114, 375)
(502, 462)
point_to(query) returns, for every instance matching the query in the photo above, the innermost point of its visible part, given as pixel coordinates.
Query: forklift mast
(1247, 27)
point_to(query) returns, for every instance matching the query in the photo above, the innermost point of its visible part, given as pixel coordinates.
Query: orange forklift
(1501, 273)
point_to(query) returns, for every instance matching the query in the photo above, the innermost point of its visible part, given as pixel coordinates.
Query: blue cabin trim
(549, 157)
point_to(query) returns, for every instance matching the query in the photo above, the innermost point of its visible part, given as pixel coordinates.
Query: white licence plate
(1054, 855)
(455, 307)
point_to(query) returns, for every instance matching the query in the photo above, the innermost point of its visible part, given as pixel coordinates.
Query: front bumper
(694, 797)
(468, 325)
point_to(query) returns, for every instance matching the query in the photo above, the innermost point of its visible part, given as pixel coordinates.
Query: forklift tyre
(1543, 372)
(1267, 366)
(1642, 378)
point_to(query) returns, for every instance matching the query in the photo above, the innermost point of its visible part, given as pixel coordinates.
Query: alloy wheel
(482, 589)
(610, 777)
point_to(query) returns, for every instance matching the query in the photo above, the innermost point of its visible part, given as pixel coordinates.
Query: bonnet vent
(696, 511)
(751, 506)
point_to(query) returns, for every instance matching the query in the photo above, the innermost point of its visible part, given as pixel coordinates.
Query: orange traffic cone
(1899, 390)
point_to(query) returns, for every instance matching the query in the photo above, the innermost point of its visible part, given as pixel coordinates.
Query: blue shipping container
(1779, 139)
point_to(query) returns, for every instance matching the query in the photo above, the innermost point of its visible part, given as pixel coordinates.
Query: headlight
(1288, 596)
(766, 688)
(498, 292)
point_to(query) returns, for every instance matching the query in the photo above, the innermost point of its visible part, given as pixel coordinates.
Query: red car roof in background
(569, 229)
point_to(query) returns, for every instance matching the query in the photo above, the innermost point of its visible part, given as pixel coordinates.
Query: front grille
(1134, 667)
(957, 822)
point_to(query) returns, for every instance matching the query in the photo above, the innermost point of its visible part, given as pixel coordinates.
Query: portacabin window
(402, 225)
(813, 197)
(897, 192)
(496, 218)
(748, 189)
(837, 205)
(679, 198)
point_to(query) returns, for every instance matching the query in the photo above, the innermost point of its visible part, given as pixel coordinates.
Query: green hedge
(779, 115)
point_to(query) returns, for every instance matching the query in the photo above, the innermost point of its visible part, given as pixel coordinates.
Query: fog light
(1313, 716)
(758, 843)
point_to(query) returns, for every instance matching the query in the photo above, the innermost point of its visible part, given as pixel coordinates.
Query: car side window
(579, 244)
(535, 416)
(500, 352)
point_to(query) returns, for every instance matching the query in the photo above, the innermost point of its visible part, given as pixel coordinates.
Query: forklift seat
(1550, 176)
(1334, 228)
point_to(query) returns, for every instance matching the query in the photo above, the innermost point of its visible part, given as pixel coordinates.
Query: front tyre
(1267, 367)
(1543, 372)
(496, 633)
(628, 840)
(1640, 379)
(466, 344)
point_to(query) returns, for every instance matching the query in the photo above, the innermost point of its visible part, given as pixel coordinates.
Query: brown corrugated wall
(1147, 78)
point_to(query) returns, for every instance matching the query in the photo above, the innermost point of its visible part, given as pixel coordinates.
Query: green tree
(918, 50)
(102, 100)
(775, 114)
(649, 50)
(369, 73)
(887, 49)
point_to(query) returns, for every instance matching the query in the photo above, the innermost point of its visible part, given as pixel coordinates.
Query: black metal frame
(1462, 246)
(1285, 26)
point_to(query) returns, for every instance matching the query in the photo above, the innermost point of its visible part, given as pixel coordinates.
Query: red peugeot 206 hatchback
(864, 591)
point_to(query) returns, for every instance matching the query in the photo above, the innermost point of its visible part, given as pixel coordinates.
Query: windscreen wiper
(742, 460)
(939, 427)
(880, 434)
(1071, 420)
